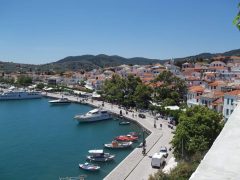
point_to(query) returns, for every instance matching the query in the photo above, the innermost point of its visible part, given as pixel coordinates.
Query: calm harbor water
(42, 141)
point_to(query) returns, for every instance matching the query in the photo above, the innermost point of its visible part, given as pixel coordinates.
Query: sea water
(39, 141)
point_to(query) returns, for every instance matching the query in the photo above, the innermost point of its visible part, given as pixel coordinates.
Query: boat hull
(92, 119)
(119, 146)
(101, 159)
(20, 97)
(89, 167)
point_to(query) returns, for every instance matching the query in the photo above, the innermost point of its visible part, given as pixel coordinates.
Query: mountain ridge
(88, 62)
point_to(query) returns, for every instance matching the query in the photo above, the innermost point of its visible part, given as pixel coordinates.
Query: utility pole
(144, 144)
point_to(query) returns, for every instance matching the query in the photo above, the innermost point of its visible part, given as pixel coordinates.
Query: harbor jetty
(136, 165)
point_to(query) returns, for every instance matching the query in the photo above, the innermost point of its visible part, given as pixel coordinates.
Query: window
(228, 101)
(231, 101)
(227, 111)
(231, 111)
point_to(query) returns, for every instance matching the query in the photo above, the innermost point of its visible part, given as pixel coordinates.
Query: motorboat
(14, 94)
(124, 123)
(126, 138)
(118, 145)
(60, 101)
(93, 115)
(99, 155)
(89, 167)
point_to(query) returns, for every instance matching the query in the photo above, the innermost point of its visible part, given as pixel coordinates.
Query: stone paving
(135, 166)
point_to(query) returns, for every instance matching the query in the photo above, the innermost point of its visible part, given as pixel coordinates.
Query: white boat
(89, 167)
(60, 101)
(118, 145)
(93, 115)
(19, 94)
(99, 155)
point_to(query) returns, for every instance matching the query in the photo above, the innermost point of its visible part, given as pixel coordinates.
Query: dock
(135, 165)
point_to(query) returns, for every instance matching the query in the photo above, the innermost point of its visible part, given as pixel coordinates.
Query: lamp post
(144, 143)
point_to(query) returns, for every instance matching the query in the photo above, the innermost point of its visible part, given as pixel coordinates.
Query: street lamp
(143, 143)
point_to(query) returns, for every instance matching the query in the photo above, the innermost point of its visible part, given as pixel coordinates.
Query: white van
(158, 160)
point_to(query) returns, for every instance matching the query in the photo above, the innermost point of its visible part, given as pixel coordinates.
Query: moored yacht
(60, 101)
(93, 115)
(19, 94)
(99, 155)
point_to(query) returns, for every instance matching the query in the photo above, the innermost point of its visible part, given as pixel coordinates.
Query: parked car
(141, 116)
(158, 160)
(163, 150)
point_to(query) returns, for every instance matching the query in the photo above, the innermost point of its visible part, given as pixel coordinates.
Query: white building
(230, 102)
(194, 94)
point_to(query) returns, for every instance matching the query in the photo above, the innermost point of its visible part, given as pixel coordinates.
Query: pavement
(135, 165)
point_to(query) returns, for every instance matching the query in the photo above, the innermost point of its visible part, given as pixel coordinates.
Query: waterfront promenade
(135, 165)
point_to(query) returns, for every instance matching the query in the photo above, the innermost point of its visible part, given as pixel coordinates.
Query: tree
(171, 87)
(24, 80)
(182, 171)
(142, 96)
(125, 91)
(40, 86)
(197, 129)
(236, 21)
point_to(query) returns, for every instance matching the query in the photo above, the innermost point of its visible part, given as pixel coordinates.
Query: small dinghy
(124, 123)
(118, 145)
(89, 167)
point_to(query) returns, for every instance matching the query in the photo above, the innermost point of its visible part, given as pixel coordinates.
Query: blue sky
(40, 31)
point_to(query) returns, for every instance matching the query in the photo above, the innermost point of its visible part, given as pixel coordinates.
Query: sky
(41, 31)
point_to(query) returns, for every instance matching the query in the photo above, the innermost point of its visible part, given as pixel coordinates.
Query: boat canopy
(97, 151)
(94, 111)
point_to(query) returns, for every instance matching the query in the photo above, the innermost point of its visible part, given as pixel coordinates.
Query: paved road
(136, 166)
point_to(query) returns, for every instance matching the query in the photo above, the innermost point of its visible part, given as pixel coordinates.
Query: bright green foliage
(236, 21)
(142, 96)
(24, 80)
(197, 129)
(129, 92)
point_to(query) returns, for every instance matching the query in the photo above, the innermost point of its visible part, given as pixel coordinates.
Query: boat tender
(93, 115)
(118, 145)
(99, 155)
(89, 167)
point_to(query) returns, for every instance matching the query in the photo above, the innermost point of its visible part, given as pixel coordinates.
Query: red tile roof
(196, 89)
(233, 93)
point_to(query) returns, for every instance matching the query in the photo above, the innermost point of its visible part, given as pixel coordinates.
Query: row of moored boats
(119, 142)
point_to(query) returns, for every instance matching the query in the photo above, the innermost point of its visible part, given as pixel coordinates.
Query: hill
(235, 52)
(89, 62)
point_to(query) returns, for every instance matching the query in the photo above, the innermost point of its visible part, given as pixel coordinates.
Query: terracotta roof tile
(233, 93)
(196, 89)
(217, 83)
